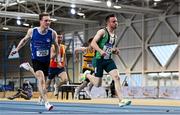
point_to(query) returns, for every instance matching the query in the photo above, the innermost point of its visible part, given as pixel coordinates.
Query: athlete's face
(60, 38)
(112, 22)
(45, 21)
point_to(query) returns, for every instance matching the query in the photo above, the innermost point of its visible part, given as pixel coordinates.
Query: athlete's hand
(59, 65)
(13, 52)
(103, 53)
(115, 51)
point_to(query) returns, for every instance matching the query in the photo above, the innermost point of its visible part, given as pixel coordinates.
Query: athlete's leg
(24, 92)
(14, 96)
(38, 74)
(41, 70)
(27, 67)
(114, 74)
(48, 83)
(90, 85)
(17, 95)
(88, 89)
(41, 84)
(79, 88)
(25, 95)
(96, 81)
(64, 79)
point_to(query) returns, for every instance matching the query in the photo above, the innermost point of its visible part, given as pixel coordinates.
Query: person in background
(54, 69)
(26, 92)
(88, 54)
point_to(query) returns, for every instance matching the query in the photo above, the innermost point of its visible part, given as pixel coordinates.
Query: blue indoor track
(32, 108)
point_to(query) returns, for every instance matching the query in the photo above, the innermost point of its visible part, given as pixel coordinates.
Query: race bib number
(108, 49)
(42, 53)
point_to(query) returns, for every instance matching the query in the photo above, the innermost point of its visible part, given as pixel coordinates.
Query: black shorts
(43, 66)
(104, 64)
(53, 72)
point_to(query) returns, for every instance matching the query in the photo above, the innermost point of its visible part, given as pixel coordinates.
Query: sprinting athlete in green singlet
(103, 44)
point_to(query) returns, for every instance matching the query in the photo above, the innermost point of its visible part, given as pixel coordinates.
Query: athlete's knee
(41, 79)
(66, 80)
(116, 78)
(39, 75)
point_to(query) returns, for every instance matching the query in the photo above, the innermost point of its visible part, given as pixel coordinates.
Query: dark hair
(109, 16)
(60, 36)
(43, 14)
(90, 40)
(86, 44)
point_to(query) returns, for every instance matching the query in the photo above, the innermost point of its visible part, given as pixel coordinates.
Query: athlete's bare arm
(53, 52)
(96, 38)
(57, 47)
(77, 50)
(22, 42)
